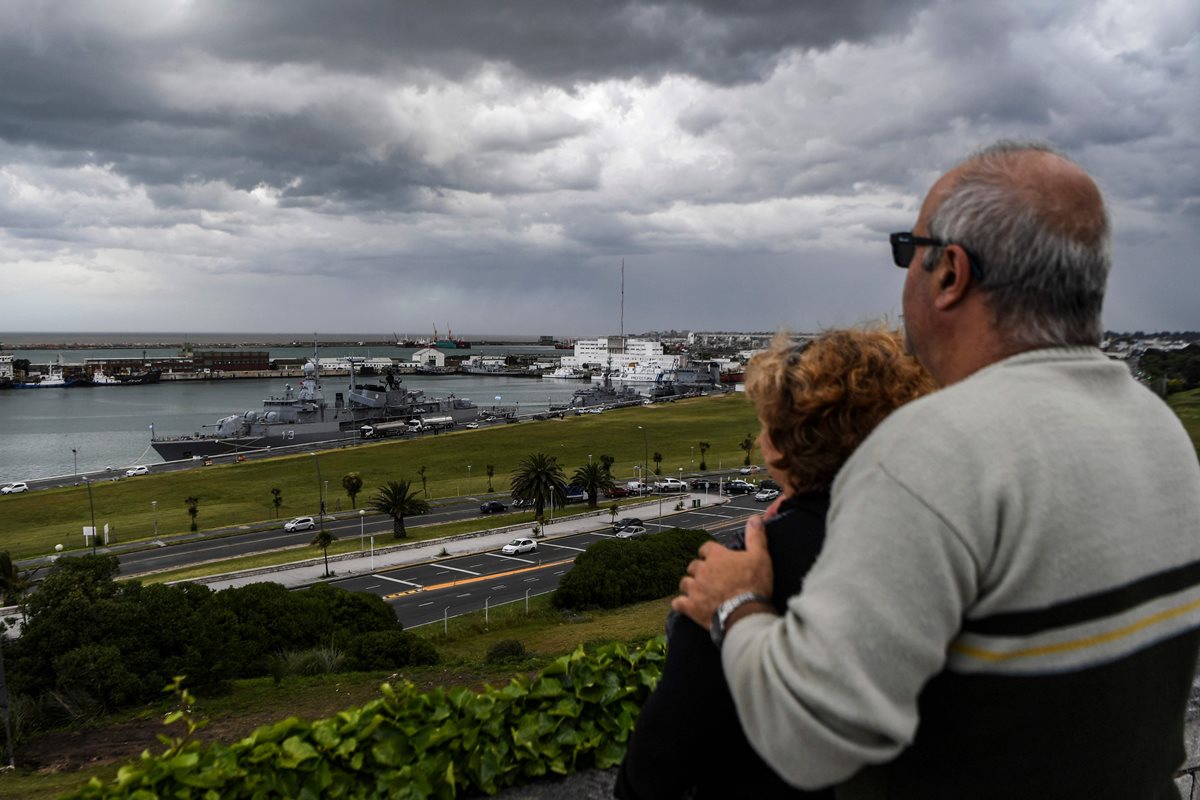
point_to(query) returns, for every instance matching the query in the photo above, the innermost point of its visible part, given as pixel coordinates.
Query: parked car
(617, 491)
(632, 532)
(300, 524)
(471, 425)
(15, 488)
(738, 486)
(767, 483)
(492, 507)
(704, 484)
(670, 485)
(576, 494)
(519, 546)
(141, 469)
(637, 487)
(750, 469)
(626, 522)
(766, 495)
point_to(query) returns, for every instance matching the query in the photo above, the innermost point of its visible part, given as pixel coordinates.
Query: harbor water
(109, 426)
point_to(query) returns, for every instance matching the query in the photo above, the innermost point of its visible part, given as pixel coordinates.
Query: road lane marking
(464, 581)
(422, 605)
(456, 569)
(397, 580)
(511, 558)
(528, 580)
(563, 546)
(468, 594)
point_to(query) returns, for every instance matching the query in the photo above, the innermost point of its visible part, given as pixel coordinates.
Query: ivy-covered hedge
(578, 712)
(616, 572)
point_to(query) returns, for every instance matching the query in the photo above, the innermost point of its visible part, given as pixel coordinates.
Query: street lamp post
(75, 458)
(92, 507)
(320, 516)
(468, 478)
(645, 452)
(693, 449)
(361, 515)
(154, 508)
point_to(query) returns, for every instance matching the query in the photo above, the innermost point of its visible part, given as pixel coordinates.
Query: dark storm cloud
(720, 41)
(500, 158)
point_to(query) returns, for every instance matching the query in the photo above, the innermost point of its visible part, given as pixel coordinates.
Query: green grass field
(240, 494)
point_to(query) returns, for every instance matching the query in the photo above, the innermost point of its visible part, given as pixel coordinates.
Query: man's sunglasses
(904, 247)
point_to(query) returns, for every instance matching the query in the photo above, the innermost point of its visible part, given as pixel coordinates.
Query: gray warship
(302, 416)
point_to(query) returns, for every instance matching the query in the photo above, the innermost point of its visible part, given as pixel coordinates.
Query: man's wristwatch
(721, 615)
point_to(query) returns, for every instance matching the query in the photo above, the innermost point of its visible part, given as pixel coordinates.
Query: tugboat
(302, 416)
(55, 380)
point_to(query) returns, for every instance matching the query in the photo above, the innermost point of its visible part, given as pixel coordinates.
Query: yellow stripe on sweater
(1078, 644)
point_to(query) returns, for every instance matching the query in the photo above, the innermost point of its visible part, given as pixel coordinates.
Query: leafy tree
(323, 539)
(276, 499)
(657, 462)
(704, 449)
(539, 478)
(193, 506)
(424, 489)
(352, 482)
(397, 500)
(747, 444)
(593, 479)
(491, 471)
(12, 580)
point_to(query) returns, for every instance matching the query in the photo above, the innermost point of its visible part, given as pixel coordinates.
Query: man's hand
(719, 574)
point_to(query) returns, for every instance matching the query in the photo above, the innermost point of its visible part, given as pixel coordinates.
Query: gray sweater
(1006, 560)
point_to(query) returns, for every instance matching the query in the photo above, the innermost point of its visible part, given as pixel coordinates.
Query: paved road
(431, 592)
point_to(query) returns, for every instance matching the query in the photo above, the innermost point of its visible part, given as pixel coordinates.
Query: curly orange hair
(818, 402)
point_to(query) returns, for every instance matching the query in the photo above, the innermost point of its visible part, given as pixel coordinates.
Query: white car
(138, 470)
(765, 495)
(519, 546)
(471, 425)
(670, 485)
(750, 469)
(631, 532)
(300, 524)
(15, 488)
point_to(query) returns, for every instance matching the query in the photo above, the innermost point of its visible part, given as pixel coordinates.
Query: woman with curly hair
(816, 404)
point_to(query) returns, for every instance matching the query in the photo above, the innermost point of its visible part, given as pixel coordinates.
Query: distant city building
(231, 360)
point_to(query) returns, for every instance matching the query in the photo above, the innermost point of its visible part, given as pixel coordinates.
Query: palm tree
(703, 449)
(397, 500)
(657, 463)
(539, 478)
(747, 444)
(193, 505)
(322, 540)
(421, 472)
(352, 482)
(491, 470)
(276, 500)
(593, 479)
(607, 461)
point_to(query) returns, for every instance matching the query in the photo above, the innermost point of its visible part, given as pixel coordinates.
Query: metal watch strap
(721, 615)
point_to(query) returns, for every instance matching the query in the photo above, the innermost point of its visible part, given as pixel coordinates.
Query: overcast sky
(357, 166)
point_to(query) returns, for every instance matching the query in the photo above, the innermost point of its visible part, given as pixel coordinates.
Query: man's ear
(952, 276)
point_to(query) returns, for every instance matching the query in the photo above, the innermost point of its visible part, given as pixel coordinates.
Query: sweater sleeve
(832, 685)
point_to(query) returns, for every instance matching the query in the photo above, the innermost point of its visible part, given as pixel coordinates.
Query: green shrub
(577, 713)
(616, 572)
(389, 650)
(506, 650)
(313, 661)
(117, 643)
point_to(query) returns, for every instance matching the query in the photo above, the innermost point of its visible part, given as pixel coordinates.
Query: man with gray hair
(1008, 599)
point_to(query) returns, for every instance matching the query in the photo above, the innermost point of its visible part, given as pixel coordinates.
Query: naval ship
(302, 416)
